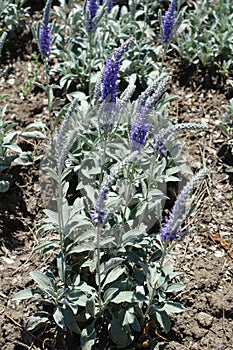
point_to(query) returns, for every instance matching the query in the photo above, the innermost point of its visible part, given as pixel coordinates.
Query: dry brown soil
(204, 257)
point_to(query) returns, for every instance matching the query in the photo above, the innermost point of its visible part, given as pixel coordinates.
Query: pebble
(204, 319)
(11, 81)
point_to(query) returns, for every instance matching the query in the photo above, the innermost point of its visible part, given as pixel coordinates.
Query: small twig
(22, 344)
(12, 320)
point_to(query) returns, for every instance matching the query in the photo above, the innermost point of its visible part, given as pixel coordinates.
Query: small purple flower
(139, 130)
(110, 5)
(45, 32)
(100, 212)
(171, 228)
(144, 107)
(158, 146)
(110, 73)
(169, 22)
(160, 141)
(92, 7)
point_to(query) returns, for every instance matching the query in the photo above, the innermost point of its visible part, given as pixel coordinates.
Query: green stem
(165, 50)
(98, 268)
(61, 228)
(103, 160)
(150, 177)
(164, 254)
(48, 93)
(90, 39)
(128, 197)
(154, 288)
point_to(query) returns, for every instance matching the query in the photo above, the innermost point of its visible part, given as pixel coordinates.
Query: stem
(164, 254)
(103, 160)
(61, 228)
(128, 197)
(98, 268)
(165, 49)
(154, 288)
(48, 93)
(150, 177)
(90, 38)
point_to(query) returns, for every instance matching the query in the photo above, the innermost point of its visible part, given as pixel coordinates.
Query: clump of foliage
(12, 15)
(206, 35)
(10, 150)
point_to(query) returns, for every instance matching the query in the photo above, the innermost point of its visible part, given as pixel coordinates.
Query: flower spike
(171, 228)
(169, 22)
(45, 32)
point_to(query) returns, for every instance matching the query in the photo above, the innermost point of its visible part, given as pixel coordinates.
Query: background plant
(77, 50)
(12, 15)
(205, 36)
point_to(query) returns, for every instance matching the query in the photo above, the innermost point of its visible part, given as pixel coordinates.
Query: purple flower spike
(99, 213)
(110, 6)
(92, 7)
(171, 228)
(110, 73)
(139, 130)
(144, 108)
(160, 141)
(45, 32)
(169, 22)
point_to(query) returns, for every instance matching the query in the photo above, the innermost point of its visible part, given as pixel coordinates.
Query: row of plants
(108, 241)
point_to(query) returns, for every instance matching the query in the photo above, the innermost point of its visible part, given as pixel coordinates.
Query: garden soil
(204, 257)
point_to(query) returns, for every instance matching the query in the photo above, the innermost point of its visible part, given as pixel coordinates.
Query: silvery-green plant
(12, 15)
(10, 151)
(82, 53)
(205, 37)
(111, 261)
(109, 256)
(43, 33)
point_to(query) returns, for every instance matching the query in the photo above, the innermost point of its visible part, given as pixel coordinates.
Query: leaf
(118, 333)
(35, 134)
(90, 306)
(26, 294)
(110, 264)
(109, 293)
(81, 248)
(171, 307)
(88, 337)
(41, 279)
(59, 318)
(114, 275)
(133, 235)
(14, 148)
(131, 319)
(175, 287)
(4, 186)
(124, 297)
(24, 159)
(37, 321)
(41, 86)
(163, 319)
(69, 319)
(52, 215)
(36, 125)
(53, 243)
(61, 266)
